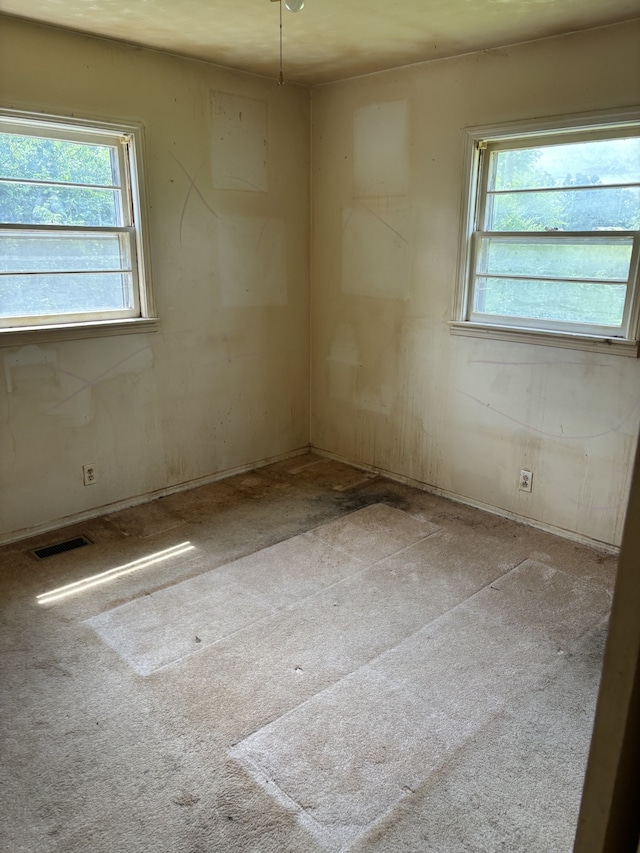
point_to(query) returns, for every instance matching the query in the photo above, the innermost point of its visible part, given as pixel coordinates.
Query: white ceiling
(329, 39)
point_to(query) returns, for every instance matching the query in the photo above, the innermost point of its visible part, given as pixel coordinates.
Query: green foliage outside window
(38, 178)
(532, 190)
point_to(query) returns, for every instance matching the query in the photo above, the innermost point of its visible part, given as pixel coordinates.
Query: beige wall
(390, 386)
(224, 383)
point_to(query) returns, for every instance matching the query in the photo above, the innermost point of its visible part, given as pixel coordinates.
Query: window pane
(607, 258)
(573, 302)
(565, 210)
(27, 295)
(37, 158)
(29, 204)
(45, 252)
(599, 162)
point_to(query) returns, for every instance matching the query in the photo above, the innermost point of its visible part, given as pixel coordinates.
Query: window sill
(565, 340)
(14, 337)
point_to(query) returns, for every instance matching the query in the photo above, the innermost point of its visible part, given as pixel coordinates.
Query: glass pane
(607, 258)
(32, 295)
(31, 204)
(39, 159)
(573, 302)
(47, 252)
(565, 210)
(599, 162)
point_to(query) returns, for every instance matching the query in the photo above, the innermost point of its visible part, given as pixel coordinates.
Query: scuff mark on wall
(376, 252)
(192, 187)
(143, 361)
(561, 435)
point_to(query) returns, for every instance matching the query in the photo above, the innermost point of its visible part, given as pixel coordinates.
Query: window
(71, 240)
(552, 234)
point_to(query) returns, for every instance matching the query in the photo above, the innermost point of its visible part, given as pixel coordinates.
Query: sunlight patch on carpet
(111, 574)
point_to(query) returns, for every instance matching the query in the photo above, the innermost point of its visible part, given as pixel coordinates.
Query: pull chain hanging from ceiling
(292, 6)
(281, 75)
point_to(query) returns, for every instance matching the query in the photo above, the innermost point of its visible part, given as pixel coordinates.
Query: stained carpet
(317, 661)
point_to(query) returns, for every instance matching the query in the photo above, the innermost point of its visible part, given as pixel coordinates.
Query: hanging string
(281, 76)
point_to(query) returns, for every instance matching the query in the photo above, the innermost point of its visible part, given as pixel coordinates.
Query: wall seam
(310, 267)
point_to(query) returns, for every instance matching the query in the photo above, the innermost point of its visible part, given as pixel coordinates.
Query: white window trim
(509, 331)
(146, 319)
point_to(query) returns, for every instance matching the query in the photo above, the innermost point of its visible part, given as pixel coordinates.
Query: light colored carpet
(335, 663)
(167, 625)
(343, 759)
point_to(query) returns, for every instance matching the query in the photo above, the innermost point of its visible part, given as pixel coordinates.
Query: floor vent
(60, 547)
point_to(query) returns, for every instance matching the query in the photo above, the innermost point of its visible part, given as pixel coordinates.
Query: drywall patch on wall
(364, 372)
(380, 401)
(58, 387)
(380, 155)
(252, 253)
(239, 129)
(44, 360)
(376, 257)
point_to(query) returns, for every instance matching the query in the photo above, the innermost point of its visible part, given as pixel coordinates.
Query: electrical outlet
(89, 473)
(526, 481)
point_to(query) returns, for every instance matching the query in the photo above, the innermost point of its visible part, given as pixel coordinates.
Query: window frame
(548, 131)
(141, 316)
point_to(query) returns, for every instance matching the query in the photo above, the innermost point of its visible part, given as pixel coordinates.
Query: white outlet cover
(525, 481)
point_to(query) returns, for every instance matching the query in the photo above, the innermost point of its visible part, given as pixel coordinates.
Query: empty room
(320, 397)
